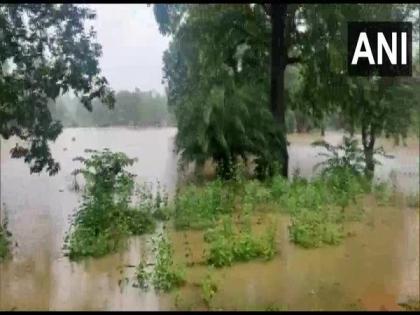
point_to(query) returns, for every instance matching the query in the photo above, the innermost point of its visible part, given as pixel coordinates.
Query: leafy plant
(156, 204)
(343, 156)
(4, 238)
(228, 244)
(413, 200)
(105, 217)
(382, 192)
(346, 156)
(311, 228)
(209, 288)
(199, 207)
(142, 276)
(166, 275)
(41, 59)
(320, 206)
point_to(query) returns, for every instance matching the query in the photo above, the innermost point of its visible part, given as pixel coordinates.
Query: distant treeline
(138, 108)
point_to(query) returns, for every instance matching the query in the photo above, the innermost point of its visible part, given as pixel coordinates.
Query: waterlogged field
(267, 252)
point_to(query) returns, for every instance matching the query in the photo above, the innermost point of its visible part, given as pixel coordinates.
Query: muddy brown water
(375, 268)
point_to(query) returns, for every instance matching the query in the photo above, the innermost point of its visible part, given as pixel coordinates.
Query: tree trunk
(322, 126)
(278, 66)
(351, 130)
(368, 140)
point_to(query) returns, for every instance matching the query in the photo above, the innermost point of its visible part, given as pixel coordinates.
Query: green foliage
(374, 104)
(165, 276)
(413, 200)
(199, 207)
(217, 70)
(311, 228)
(45, 50)
(142, 276)
(382, 192)
(105, 218)
(228, 244)
(346, 155)
(218, 84)
(4, 239)
(156, 204)
(209, 288)
(319, 207)
(255, 194)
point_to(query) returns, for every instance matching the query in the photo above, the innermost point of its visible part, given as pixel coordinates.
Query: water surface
(374, 269)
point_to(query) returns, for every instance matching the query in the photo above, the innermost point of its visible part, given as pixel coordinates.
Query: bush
(228, 245)
(105, 218)
(318, 207)
(209, 288)
(255, 194)
(165, 276)
(199, 207)
(4, 240)
(413, 200)
(311, 228)
(154, 204)
(382, 193)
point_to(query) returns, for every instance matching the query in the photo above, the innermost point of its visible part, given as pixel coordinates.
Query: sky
(132, 46)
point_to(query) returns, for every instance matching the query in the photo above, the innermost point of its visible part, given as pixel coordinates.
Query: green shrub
(382, 193)
(209, 288)
(346, 155)
(165, 275)
(255, 194)
(137, 222)
(228, 245)
(155, 204)
(200, 207)
(319, 207)
(413, 200)
(311, 228)
(142, 276)
(105, 217)
(4, 240)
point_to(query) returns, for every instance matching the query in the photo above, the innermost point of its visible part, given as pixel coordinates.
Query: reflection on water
(375, 268)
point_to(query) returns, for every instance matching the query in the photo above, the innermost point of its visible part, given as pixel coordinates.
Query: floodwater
(376, 267)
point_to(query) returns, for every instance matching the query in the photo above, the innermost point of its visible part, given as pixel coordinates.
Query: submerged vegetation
(228, 244)
(239, 79)
(4, 239)
(106, 217)
(209, 288)
(413, 201)
(411, 305)
(318, 208)
(166, 275)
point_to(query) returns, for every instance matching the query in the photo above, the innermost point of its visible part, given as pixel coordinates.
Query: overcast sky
(132, 46)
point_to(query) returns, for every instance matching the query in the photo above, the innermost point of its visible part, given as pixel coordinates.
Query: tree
(45, 51)
(219, 85)
(376, 105)
(283, 31)
(310, 37)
